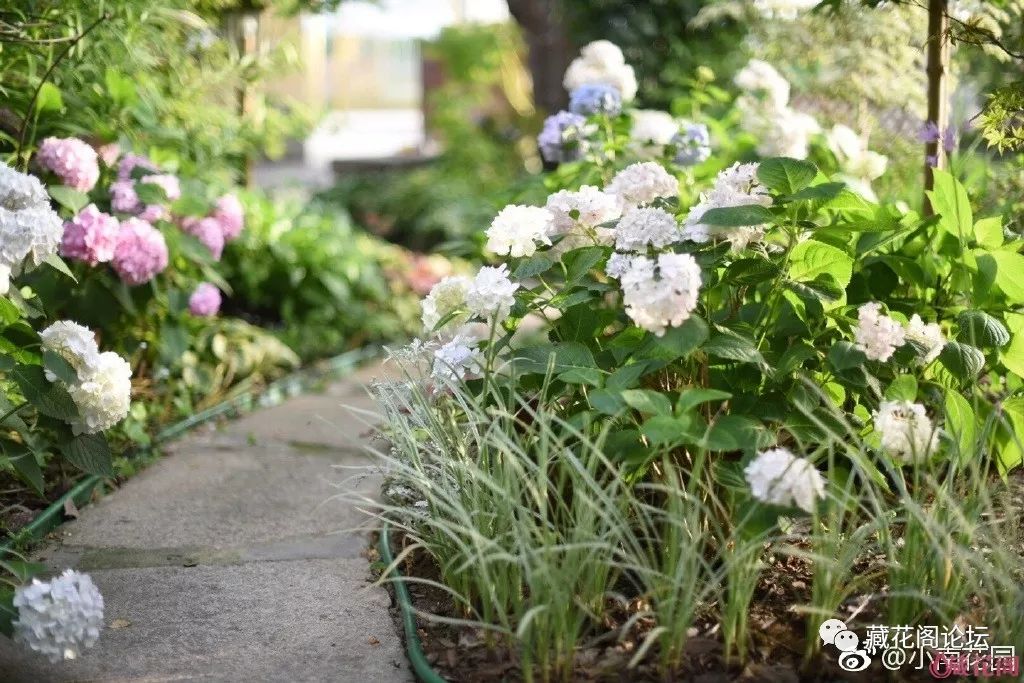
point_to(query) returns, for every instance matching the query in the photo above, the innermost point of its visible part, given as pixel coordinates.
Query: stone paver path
(232, 559)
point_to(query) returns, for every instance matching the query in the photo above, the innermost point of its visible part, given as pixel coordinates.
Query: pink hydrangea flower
(91, 236)
(71, 160)
(130, 162)
(141, 252)
(205, 301)
(123, 197)
(155, 212)
(167, 182)
(109, 153)
(231, 215)
(207, 230)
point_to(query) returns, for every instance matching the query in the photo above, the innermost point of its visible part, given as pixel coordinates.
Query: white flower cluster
(601, 62)
(735, 186)
(657, 293)
(102, 392)
(645, 227)
(778, 477)
(905, 430)
(652, 130)
(517, 230)
(30, 231)
(579, 215)
(764, 106)
(59, 618)
(446, 297)
(927, 335)
(859, 165)
(456, 358)
(876, 334)
(642, 183)
(783, 9)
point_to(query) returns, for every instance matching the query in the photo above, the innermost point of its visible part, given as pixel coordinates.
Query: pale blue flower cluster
(692, 144)
(595, 98)
(561, 139)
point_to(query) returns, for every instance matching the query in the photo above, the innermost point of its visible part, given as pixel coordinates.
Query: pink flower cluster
(91, 236)
(205, 301)
(71, 160)
(141, 252)
(125, 199)
(224, 223)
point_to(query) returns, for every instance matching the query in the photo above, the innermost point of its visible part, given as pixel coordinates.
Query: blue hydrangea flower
(562, 137)
(595, 98)
(692, 144)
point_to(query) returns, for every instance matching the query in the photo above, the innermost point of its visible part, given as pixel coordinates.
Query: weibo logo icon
(834, 632)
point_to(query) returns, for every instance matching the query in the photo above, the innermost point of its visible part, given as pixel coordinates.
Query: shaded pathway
(223, 561)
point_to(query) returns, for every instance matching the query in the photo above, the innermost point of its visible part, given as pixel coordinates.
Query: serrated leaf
(690, 398)
(647, 401)
(732, 433)
(981, 329)
(25, 464)
(988, 232)
(56, 364)
(47, 397)
(751, 271)
(824, 192)
(532, 266)
(607, 402)
(844, 355)
(785, 175)
(1010, 274)
(89, 453)
(902, 388)
(733, 346)
(677, 342)
(949, 199)
(963, 361)
(72, 200)
(736, 216)
(811, 259)
(578, 262)
(667, 430)
(567, 355)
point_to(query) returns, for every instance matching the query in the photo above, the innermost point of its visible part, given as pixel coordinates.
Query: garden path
(229, 560)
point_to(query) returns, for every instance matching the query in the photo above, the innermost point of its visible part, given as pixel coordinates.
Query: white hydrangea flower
(103, 397)
(642, 183)
(778, 477)
(657, 293)
(928, 335)
(651, 131)
(735, 186)
(5, 279)
(783, 9)
(601, 62)
(646, 227)
(876, 334)
(858, 164)
(761, 78)
(30, 231)
(445, 297)
(74, 343)
(781, 132)
(491, 294)
(517, 230)
(905, 430)
(59, 618)
(591, 206)
(457, 358)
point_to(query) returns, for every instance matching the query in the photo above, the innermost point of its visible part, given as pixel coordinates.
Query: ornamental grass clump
(745, 365)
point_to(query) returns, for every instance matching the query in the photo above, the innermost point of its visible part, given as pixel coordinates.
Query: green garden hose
(413, 646)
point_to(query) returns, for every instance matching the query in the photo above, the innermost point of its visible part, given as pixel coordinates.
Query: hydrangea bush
(772, 339)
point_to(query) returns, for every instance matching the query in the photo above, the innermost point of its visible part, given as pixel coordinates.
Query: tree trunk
(938, 99)
(550, 50)
(242, 29)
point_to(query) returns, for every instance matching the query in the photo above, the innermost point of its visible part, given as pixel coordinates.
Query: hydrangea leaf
(736, 216)
(949, 199)
(961, 424)
(902, 388)
(47, 397)
(981, 329)
(89, 453)
(1010, 274)
(785, 175)
(963, 361)
(72, 200)
(810, 259)
(647, 401)
(988, 232)
(670, 431)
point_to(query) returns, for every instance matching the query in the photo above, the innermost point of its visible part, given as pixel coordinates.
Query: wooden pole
(938, 98)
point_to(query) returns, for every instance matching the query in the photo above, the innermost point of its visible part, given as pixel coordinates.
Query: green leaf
(733, 346)
(49, 98)
(736, 216)
(48, 398)
(751, 271)
(785, 175)
(981, 329)
(532, 266)
(58, 264)
(844, 355)
(690, 398)
(949, 199)
(72, 200)
(1010, 274)
(627, 376)
(988, 232)
(150, 193)
(89, 453)
(607, 402)
(1011, 453)
(902, 388)
(25, 464)
(1012, 356)
(819, 193)
(591, 376)
(732, 433)
(961, 424)
(8, 613)
(56, 364)
(647, 401)
(567, 355)
(811, 259)
(670, 431)
(963, 361)
(578, 262)
(677, 342)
